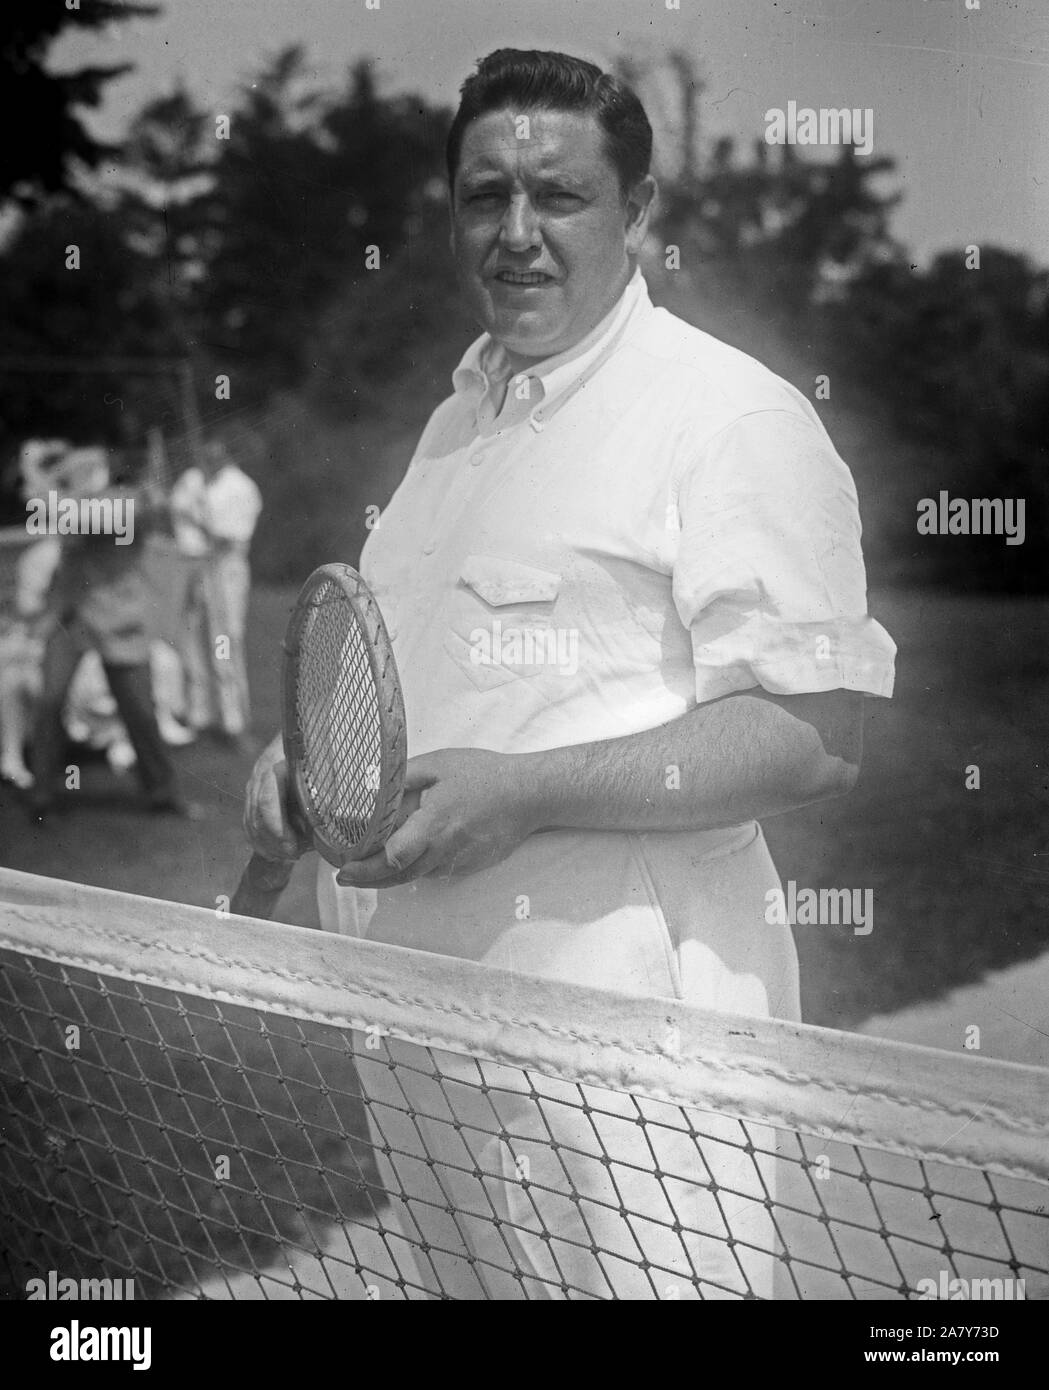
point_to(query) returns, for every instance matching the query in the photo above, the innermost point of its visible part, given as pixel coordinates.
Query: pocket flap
(500, 581)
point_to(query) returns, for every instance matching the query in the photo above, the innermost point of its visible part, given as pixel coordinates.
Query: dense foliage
(299, 248)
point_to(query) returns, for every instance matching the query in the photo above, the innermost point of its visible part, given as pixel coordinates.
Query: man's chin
(523, 338)
(525, 330)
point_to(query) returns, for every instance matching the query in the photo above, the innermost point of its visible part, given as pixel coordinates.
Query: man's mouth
(523, 277)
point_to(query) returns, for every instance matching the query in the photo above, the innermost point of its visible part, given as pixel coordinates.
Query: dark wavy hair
(529, 79)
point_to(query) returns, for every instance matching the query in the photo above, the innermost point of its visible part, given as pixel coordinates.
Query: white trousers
(214, 619)
(508, 1185)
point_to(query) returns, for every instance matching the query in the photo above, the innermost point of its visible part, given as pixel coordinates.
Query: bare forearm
(746, 756)
(730, 761)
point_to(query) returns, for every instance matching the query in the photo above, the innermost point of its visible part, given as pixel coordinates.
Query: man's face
(541, 233)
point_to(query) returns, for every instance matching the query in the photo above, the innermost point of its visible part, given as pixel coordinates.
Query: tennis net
(224, 1108)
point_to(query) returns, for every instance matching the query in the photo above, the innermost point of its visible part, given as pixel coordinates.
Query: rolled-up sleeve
(769, 575)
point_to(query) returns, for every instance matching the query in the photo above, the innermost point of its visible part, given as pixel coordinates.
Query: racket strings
(339, 718)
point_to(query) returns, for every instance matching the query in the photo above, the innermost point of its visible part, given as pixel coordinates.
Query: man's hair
(529, 80)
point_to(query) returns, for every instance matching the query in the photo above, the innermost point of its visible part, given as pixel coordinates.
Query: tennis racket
(342, 720)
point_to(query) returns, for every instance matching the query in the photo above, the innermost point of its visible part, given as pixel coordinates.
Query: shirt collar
(485, 366)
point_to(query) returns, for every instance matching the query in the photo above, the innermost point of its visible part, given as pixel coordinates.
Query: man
(627, 600)
(100, 600)
(214, 512)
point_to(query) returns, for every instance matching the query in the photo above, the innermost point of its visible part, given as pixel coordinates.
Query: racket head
(343, 716)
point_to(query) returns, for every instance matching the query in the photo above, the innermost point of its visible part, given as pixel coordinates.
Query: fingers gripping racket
(342, 720)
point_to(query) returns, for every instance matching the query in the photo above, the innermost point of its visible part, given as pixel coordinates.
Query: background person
(214, 511)
(22, 644)
(93, 719)
(101, 600)
(22, 624)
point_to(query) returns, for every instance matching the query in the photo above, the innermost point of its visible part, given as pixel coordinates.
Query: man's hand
(741, 758)
(467, 808)
(265, 811)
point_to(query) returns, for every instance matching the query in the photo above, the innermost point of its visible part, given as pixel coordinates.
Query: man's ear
(640, 204)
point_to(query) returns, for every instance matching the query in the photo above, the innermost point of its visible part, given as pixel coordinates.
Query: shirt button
(429, 548)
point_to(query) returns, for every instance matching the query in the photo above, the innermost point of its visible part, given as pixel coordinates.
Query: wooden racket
(342, 721)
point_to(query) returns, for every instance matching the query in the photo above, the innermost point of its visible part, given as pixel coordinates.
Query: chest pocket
(501, 622)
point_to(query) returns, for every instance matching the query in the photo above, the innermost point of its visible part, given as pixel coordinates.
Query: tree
(167, 183)
(773, 232)
(961, 354)
(44, 136)
(306, 183)
(104, 308)
(784, 233)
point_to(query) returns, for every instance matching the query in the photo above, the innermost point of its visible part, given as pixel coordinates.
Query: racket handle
(261, 885)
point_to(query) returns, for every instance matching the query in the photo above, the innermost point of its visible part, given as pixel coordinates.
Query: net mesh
(219, 1147)
(338, 713)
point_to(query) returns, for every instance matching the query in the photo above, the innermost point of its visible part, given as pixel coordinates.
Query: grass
(958, 879)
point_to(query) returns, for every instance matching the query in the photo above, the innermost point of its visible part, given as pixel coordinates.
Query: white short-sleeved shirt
(654, 520)
(225, 507)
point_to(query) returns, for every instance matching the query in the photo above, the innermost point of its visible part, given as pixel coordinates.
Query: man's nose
(520, 229)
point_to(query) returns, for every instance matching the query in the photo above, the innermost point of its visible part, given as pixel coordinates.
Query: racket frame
(393, 735)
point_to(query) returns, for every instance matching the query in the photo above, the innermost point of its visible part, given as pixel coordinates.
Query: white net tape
(229, 1108)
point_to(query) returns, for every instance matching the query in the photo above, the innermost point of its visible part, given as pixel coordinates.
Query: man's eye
(561, 197)
(489, 196)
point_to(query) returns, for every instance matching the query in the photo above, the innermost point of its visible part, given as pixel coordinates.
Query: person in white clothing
(90, 716)
(214, 510)
(624, 586)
